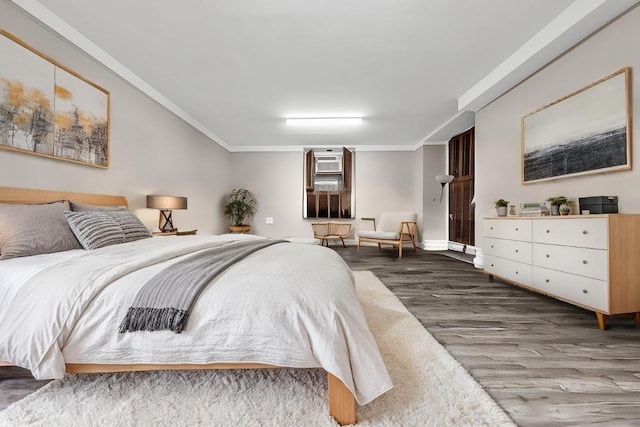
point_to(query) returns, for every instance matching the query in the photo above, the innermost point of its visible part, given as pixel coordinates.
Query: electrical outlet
(269, 220)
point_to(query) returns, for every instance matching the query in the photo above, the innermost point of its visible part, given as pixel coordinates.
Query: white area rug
(430, 388)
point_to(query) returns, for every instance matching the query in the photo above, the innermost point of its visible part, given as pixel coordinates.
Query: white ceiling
(235, 69)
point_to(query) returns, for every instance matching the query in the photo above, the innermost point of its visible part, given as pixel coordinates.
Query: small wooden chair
(331, 231)
(393, 229)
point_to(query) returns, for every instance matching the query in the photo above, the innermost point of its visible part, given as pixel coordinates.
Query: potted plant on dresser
(240, 206)
(555, 203)
(501, 207)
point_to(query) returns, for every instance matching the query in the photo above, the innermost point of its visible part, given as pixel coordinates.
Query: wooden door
(461, 166)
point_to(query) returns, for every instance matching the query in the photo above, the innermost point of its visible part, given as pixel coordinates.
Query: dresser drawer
(585, 233)
(513, 229)
(582, 261)
(512, 270)
(585, 291)
(510, 249)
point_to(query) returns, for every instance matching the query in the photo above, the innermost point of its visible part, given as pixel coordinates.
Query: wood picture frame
(585, 132)
(49, 110)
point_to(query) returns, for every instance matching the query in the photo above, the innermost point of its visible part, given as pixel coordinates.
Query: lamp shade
(166, 202)
(444, 179)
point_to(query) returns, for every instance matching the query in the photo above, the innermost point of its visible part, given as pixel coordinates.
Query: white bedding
(290, 305)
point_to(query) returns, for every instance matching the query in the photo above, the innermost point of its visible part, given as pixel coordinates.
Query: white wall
(498, 157)
(434, 223)
(385, 181)
(152, 150)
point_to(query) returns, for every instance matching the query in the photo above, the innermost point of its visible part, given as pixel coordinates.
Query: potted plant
(240, 206)
(501, 207)
(555, 203)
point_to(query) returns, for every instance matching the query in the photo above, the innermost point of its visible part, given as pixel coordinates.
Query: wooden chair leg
(343, 245)
(400, 250)
(379, 247)
(637, 319)
(358, 249)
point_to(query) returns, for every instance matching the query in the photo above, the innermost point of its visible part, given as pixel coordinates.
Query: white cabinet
(593, 261)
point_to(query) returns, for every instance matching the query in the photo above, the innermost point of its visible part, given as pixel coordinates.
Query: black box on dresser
(599, 204)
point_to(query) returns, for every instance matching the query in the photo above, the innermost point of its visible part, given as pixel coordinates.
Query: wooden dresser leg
(491, 277)
(342, 404)
(601, 321)
(637, 319)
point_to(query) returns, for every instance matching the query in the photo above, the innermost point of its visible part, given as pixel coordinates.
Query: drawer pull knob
(492, 246)
(491, 228)
(585, 232)
(547, 255)
(584, 261)
(516, 228)
(516, 251)
(547, 231)
(516, 272)
(491, 265)
(547, 281)
(584, 291)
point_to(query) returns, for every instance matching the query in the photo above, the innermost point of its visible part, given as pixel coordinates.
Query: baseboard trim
(435, 245)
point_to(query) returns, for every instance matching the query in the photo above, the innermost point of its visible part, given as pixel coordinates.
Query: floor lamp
(443, 180)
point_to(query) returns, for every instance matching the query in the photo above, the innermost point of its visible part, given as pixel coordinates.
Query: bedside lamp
(443, 180)
(166, 204)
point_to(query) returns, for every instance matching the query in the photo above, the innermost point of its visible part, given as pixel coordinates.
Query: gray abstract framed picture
(48, 110)
(588, 131)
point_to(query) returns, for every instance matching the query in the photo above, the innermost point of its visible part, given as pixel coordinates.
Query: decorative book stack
(534, 209)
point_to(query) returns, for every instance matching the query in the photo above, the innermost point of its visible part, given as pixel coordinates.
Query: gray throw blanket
(166, 300)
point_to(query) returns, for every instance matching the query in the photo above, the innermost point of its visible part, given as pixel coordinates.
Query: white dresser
(591, 261)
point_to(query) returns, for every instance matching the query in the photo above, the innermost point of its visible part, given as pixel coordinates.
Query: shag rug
(430, 388)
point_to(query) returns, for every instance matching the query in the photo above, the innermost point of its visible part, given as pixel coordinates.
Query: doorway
(461, 166)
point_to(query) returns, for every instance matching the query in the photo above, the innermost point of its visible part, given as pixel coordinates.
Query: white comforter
(290, 305)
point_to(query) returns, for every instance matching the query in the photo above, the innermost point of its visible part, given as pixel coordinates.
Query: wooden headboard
(27, 195)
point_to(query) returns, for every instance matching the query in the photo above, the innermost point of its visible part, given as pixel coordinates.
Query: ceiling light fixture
(323, 121)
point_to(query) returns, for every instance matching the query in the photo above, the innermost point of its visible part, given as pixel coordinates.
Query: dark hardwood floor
(545, 362)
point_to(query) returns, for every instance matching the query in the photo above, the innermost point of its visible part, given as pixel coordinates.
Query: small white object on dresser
(592, 262)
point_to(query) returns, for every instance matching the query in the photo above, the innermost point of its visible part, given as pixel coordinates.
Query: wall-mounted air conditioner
(328, 165)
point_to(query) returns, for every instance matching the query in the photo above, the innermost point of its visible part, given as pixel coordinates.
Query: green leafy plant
(558, 201)
(240, 205)
(501, 203)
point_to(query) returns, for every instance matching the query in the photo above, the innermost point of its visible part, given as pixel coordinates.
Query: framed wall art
(48, 110)
(588, 131)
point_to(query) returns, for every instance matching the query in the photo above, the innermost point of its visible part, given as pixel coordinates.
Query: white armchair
(395, 229)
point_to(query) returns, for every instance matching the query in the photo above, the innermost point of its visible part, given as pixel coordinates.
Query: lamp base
(166, 221)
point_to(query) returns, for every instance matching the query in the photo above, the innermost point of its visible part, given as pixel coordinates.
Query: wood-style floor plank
(544, 361)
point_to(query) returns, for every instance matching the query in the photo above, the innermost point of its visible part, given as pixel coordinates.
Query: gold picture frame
(586, 132)
(49, 110)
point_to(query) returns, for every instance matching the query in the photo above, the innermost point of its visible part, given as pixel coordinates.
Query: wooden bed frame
(341, 400)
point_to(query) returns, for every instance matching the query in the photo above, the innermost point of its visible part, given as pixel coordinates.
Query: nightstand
(176, 233)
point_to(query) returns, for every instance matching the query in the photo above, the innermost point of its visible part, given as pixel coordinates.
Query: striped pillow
(95, 229)
(133, 228)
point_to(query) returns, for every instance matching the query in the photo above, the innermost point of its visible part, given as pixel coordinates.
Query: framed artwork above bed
(48, 110)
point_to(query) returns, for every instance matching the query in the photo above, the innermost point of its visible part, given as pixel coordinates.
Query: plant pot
(239, 228)
(555, 210)
(502, 211)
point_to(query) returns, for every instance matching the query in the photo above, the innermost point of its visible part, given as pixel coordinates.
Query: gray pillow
(96, 229)
(83, 207)
(34, 229)
(133, 228)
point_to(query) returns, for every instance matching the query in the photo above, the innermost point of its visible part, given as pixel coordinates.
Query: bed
(287, 305)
